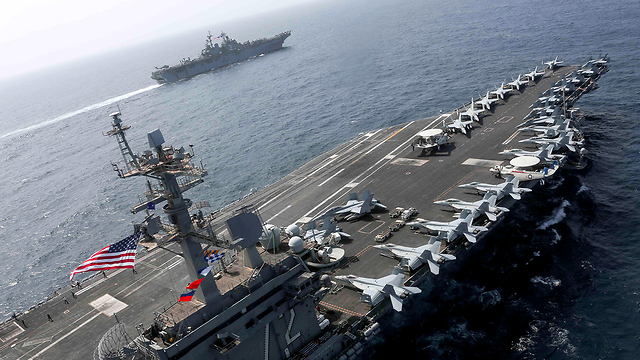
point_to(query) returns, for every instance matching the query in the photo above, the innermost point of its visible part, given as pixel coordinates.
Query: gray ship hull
(204, 64)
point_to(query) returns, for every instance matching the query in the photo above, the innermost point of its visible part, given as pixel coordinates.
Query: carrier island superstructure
(278, 292)
(215, 56)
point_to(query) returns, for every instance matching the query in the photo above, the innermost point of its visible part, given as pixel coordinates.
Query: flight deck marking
(13, 333)
(338, 308)
(374, 165)
(361, 230)
(513, 136)
(278, 214)
(408, 161)
(503, 119)
(482, 162)
(63, 337)
(333, 157)
(456, 184)
(375, 147)
(331, 177)
(37, 341)
(108, 305)
(161, 266)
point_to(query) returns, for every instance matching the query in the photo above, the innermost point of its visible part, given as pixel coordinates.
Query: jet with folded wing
(565, 139)
(485, 102)
(532, 76)
(501, 91)
(459, 125)
(486, 206)
(328, 233)
(471, 112)
(517, 83)
(376, 290)
(413, 258)
(450, 231)
(354, 208)
(550, 131)
(509, 187)
(554, 63)
(544, 154)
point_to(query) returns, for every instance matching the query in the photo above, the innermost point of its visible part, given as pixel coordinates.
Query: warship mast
(175, 173)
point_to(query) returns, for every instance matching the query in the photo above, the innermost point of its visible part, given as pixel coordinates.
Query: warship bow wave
(215, 56)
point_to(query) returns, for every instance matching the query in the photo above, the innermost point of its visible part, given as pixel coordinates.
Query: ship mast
(166, 166)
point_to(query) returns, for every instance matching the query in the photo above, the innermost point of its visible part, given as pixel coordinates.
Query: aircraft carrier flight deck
(381, 160)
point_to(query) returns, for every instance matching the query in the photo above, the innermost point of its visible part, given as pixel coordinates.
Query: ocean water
(559, 278)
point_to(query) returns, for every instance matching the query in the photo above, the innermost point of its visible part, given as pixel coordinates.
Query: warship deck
(380, 160)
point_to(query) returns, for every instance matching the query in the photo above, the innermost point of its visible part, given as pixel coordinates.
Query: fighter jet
(485, 102)
(544, 154)
(565, 139)
(354, 208)
(553, 63)
(509, 187)
(532, 76)
(451, 230)
(375, 290)
(516, 83)
(500, 92)
(471, 112)
(550, 131)
(601, 62)
(328, 233)
(486, 206)
(413, 258)
(459, 125)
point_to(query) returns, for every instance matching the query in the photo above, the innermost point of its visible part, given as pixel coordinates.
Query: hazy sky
(40, 33)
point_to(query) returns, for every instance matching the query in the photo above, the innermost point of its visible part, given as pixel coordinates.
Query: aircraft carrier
(215, 56)
(274, 299)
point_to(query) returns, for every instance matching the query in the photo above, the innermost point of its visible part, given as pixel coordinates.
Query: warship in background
(299, 296)
(215, 56)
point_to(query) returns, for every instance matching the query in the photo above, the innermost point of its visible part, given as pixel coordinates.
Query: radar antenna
(166, 166)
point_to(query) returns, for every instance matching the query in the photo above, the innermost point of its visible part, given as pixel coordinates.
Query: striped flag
(120, 255)
(194, 285)
(205, 271)
(187, 296)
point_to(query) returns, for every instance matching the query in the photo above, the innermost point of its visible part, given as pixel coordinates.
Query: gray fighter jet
(501, 91)
(532, 76)
(553, 63)
(544, 154)
(459, 125)
(485, 102)
(451, 230)
(509, 187)
(375, 290)
(328, 233)
(565, 139)
(486, 206)
(354, 208)
(517, 83)
(471, 112)
(413, 258)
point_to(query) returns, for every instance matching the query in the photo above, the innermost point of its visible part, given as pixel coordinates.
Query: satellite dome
(271, 239)
(296, 244)
(292, 230)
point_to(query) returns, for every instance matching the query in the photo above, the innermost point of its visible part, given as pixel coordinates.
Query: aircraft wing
(438, 227)
(372, 296)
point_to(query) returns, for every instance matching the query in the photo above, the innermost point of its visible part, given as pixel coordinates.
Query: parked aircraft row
(553, 132)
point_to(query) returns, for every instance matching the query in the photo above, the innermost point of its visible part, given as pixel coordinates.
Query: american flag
(120, 255)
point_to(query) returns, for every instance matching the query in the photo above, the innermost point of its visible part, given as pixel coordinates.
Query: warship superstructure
(278, 292)
(215, 56)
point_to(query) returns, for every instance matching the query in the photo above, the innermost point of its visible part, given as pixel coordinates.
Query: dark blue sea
(559, 279)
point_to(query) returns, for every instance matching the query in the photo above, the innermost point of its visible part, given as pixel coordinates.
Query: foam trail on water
(78, 112)
(558, 215)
